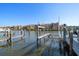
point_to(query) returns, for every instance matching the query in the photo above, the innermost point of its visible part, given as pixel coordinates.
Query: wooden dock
(40, 50)
(75, 44)
(42, 36)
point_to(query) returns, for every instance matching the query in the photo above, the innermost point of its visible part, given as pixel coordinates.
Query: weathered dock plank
(76, 46)
(44, 35)
(40, 50)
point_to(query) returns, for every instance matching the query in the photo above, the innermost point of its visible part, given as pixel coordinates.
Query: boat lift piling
(41, 37)
(36, 27)
(9, 39)
(71, 42)
(65, 44)
(7, 33)
(24, 32)
(21, 32)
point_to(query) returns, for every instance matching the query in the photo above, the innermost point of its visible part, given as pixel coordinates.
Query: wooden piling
(37, 42)
(60, 44)
(7, 33)
(36, 27)
(21, 32)
(71, 42)
(64, 35)
(9, 40)
(78, 35)
(64, 40)
(24, 33)
(10, 37)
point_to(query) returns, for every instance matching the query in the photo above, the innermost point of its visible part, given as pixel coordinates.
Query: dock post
(64, 39)
(39, 32)
(21, 34)
(37, 42)
(78, 35)
(71, 42)
(9, 40)
(60, 40)
(10, 36)
(36, 27)
(24, 32)
(60, 44)
(7, 33)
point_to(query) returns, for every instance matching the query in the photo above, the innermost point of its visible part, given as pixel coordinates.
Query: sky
(34, 13)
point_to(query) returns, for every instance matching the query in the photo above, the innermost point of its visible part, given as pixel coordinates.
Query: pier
(40, 42)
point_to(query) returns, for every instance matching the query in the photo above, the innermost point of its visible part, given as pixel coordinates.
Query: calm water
(18, 44)
(28, 44)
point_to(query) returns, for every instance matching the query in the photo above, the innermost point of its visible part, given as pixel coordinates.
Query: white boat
(3, 40)
(4, 30)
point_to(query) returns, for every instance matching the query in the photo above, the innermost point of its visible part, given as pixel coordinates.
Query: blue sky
(24, 14)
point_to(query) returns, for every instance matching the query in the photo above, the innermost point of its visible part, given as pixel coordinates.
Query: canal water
(28, 44)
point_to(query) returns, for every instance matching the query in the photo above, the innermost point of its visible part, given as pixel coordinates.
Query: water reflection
(18, 43)
(28, 44)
